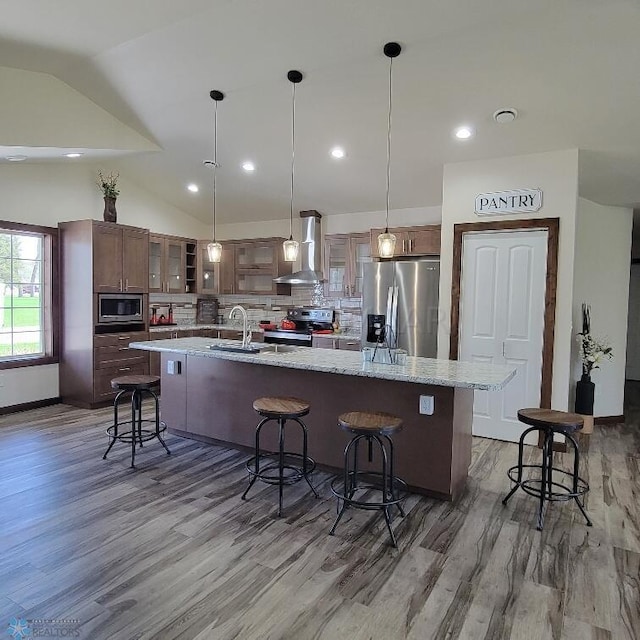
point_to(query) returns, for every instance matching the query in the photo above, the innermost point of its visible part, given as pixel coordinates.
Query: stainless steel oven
(120, 308)
(306, 320)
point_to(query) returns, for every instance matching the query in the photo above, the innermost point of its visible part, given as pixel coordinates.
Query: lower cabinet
(112, 357)
(228, 334)
(329, 342)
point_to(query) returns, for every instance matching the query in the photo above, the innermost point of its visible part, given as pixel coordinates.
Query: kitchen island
(208, 395)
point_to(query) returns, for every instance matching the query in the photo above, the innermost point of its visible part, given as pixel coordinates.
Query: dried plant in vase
(592, 352)
(108, 184)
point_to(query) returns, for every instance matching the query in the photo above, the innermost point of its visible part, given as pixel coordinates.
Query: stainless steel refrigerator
(400, 305)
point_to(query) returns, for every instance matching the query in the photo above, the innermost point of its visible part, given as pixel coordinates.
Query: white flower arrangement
(592, 350)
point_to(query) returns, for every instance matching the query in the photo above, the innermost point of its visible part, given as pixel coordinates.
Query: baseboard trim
(608, 419)
(25, 406)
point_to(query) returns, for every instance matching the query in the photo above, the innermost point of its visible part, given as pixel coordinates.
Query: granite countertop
(446, 373)
(192, 325)
(237, 327)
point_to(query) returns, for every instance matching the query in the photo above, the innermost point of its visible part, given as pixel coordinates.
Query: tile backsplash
(267, 307)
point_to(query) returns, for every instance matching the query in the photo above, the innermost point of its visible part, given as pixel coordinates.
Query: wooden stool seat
(276, 407)
(364, 422)
(130, 383)
(550, 419)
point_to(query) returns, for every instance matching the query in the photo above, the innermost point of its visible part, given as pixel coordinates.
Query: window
(27, 293)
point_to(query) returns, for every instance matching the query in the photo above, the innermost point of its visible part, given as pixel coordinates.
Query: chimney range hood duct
(310, 258)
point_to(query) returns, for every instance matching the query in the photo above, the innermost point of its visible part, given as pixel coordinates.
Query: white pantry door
(502, 301)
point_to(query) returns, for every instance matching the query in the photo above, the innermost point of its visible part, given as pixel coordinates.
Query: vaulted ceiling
(568, 66)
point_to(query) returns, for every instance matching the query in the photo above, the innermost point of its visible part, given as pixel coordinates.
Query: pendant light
(214, 248)
(291, 246)
(386, 240)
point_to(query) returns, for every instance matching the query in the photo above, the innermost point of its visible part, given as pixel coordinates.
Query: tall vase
(585, 390)
(110, 214)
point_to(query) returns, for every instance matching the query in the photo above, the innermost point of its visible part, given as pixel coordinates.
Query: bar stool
(138, 386)
(371, 427)
(543, 486)
(259, 467)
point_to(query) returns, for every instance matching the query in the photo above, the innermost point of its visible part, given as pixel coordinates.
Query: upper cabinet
(411, 241)
(172, 264)
(120, 258)
(215, 278)
(257, 263)
(344, 258)
(246, 267)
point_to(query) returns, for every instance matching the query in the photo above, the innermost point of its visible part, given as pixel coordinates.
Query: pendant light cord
(293, 155)
(389, 146)
(215, 164)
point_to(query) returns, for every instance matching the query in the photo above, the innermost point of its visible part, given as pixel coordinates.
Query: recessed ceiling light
(193, 188)
(248, 166)
(505, 115)
(338, 152)
(463, 133)
(16, 158)
(73, 154)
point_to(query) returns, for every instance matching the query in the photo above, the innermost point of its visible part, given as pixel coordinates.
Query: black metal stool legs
(281, 479)
(137, 435)
(351, 474)
(305, 456)
(543, 486)
(576, 479)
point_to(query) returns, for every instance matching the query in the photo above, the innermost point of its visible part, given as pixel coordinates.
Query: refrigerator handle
(392, 316)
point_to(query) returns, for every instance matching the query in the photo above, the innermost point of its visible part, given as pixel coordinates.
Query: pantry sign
(516, 201)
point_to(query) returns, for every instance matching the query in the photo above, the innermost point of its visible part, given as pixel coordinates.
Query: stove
(307, 320)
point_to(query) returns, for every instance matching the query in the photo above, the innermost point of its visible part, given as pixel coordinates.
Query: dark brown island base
(208, 395)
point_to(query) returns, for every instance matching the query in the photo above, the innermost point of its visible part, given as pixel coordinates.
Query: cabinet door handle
(403, 245)
(126, 284)
(120, 281)
(124, 338)
(123, 349)
(124, 369)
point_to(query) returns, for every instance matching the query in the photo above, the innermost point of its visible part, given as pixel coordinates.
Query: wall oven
(120, 308)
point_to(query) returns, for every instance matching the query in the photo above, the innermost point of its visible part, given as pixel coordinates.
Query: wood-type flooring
(169, 550)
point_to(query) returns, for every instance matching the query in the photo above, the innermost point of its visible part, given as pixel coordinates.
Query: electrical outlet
(426, 405)
(173, 367)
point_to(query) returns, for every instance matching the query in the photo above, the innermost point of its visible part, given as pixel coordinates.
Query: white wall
(359, 222)
(601, 279)
(46, 194)
(556, 173)
(336, 223)
(633, 329)
(39, 110)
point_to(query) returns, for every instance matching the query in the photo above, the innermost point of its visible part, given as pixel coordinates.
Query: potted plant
(592, 352)
(109, 186)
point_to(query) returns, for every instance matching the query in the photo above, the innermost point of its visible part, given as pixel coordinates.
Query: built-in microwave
(120, 307)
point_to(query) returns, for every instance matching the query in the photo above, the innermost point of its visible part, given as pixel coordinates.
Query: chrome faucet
(246, 332)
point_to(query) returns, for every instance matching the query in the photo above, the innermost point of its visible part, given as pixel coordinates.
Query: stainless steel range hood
(310, 258)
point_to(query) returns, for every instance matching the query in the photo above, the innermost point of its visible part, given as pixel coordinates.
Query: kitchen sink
(279, 348)
(235, 348)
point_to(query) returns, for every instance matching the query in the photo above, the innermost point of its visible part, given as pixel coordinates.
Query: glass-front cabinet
(215, 277)
(344, 258)
(168, 264)
(246, 267)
